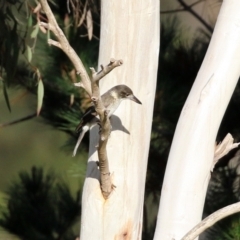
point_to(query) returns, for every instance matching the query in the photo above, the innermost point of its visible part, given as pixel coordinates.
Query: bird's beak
(133, 98)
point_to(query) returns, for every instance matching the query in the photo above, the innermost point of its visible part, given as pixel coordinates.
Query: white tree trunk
(129, 31)
(191, 156)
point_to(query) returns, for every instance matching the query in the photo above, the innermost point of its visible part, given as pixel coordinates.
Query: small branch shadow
(92, 168)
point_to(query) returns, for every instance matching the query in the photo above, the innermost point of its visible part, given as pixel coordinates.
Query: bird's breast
(113, 106)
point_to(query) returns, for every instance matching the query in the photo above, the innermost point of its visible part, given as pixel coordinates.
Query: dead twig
(223, 148)
(196, 15)
(105, 126)
(189, 8)
(92, 88)
(212, 219)
(63, 43)
(18, 120)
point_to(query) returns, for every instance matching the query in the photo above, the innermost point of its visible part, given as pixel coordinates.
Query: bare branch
(92, 88)
(173, 11)
(54, 43)
(79, 84)
(223, 148)
(105, 126)
(46, 25)
(195, 3)
(212, 219)
(189, 9)
(83, 14)
(65, 46)
(18, 120)
(105, 70)
(200, 19)
(181, 9)
(37, 8)
(105, 178)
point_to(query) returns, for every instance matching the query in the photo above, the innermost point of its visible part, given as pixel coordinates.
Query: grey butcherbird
(111, 100)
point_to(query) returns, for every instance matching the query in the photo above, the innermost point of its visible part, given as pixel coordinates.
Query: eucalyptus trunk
(192, 151)
(130, 31)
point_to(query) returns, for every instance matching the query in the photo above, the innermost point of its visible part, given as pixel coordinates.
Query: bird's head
(124, 92)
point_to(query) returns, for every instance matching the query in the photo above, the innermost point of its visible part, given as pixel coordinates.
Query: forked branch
(105, 126)
(189, 8)
(92, 88)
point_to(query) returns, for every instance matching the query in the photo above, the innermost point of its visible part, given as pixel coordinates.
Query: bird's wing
(90, 113)
(107, 100)
(87, 117)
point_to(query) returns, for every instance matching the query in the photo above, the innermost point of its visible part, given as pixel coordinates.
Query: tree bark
(192, 151)
(129, 31)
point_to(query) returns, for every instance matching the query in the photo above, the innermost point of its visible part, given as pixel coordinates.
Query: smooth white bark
(129, 31)
(192, 151)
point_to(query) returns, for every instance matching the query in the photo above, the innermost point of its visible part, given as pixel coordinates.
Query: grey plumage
(111, 100)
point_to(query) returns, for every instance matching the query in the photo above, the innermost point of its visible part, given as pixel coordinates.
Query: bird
(111, 101)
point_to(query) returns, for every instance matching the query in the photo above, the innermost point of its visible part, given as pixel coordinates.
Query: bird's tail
(81, 135)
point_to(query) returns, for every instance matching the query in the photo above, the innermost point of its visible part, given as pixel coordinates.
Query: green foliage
(40, 94)
(6, 95)
(10, 43)
(40, 207)
(39, 65)
(62, 103)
